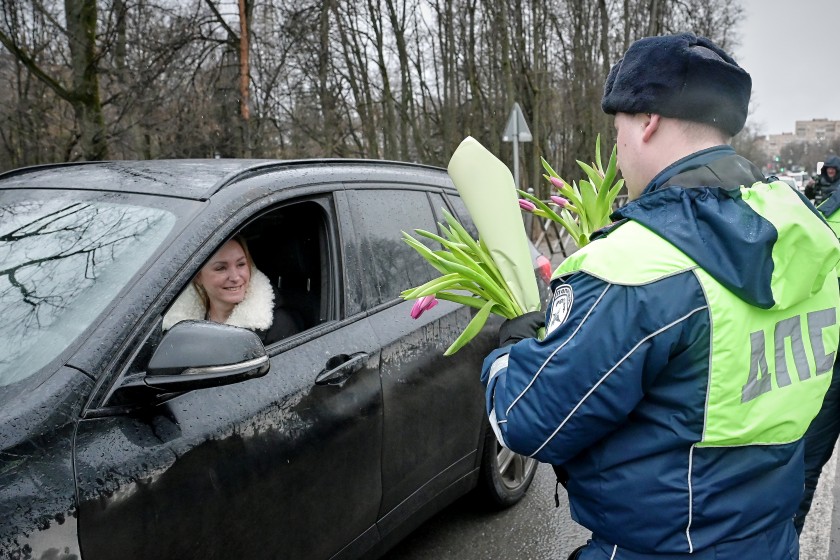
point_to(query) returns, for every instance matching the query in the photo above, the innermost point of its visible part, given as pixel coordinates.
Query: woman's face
(225, 277)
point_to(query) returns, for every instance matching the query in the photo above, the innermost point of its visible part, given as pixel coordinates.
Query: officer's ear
(651, 125)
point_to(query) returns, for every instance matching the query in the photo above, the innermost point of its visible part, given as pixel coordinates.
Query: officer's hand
(524, 326)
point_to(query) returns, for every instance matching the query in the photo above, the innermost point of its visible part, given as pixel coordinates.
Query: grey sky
(791, 48)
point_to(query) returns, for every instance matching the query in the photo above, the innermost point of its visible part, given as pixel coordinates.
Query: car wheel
(505, 475)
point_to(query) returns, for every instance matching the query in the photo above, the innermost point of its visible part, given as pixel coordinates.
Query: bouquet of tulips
(466, 267)
(493, 274)
(582, 208)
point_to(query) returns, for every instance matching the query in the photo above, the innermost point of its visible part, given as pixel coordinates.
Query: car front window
(63, 259)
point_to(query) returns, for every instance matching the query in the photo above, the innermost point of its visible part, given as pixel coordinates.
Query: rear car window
(391, 266)
(462, 214)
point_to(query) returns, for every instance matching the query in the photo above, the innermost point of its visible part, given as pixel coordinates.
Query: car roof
(193, 179)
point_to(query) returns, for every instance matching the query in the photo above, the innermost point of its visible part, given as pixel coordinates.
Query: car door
(433, 404)
(283, 466)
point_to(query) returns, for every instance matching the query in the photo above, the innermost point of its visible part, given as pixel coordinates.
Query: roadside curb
(834, 534)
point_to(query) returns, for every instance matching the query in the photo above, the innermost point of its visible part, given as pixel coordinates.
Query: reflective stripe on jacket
(675, 399)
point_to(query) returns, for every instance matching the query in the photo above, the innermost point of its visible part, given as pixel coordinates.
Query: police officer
(689, 345)
(828, 180)
(823, 432)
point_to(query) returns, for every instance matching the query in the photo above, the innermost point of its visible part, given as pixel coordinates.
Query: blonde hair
(199, 289)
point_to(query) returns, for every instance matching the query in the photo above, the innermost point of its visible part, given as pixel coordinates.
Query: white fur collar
(255, 312)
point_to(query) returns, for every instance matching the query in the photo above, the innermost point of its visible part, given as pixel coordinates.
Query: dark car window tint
(64, 259)
(290, 246)
(462, 214)
(392, 266)
(438, 204)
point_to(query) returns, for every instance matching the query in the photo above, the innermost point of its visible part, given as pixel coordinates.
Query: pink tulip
(423, 304)
(557, 182)
(527, 205)
(559, 201)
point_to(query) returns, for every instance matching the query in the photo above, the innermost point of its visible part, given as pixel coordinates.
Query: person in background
(229, 289)
(690, 344)
(822, 434)
(828, 181)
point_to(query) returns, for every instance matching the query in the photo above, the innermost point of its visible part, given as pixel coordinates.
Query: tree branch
(233, 37)
(33, 67)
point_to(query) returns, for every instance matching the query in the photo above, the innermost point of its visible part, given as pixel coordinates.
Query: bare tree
(83, 91)
(396, 79)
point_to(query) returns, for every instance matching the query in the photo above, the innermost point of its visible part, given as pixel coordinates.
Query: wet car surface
(121, 440)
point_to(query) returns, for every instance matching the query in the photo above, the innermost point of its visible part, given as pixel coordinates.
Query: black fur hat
(680, 76)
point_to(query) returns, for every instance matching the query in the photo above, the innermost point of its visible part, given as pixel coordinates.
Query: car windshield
(64, 256)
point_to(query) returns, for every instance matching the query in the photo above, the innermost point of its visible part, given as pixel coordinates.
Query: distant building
(772, 144)
(815, 131)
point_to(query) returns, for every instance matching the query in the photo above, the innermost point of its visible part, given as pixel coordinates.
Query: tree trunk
(627, 26)
(358, 77)
(398, 27)
(244, 80)
(654, 20)
(540, 71)
(390, 148)
(81, 32)
(449, 70)
(605, 37)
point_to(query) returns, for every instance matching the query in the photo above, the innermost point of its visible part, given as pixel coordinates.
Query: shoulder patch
(561, 306)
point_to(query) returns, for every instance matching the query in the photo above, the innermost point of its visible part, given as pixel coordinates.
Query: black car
(123, 441)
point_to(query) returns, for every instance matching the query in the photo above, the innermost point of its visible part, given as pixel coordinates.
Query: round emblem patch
(561, 306)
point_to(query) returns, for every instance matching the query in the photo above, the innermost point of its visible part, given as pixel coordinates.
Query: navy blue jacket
(615, 393)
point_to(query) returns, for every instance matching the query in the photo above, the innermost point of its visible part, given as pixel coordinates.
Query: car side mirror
(200, 354)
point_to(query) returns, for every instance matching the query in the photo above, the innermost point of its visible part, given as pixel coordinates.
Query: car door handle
(341, 367)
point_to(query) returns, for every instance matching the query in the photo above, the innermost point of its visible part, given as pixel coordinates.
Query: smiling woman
(223, 282)
(230, 289)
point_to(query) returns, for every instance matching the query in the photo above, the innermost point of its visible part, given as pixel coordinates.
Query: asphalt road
(820, 538)
(532, 530)
(536, 530)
